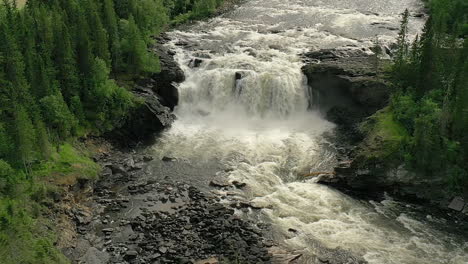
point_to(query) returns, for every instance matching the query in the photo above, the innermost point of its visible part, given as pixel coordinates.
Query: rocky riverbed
(136, 219)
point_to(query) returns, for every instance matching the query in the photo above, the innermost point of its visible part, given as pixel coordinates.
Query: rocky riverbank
(350, 88)
(134, 218)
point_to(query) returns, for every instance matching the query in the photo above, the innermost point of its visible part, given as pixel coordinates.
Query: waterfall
(245, 114)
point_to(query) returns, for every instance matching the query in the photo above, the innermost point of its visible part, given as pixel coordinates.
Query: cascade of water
(244, 112)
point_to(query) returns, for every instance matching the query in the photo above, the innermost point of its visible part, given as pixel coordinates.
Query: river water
(258, 129)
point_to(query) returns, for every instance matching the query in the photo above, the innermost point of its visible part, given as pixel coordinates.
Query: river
(258, 129)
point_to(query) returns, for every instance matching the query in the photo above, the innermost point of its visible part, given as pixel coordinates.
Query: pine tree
(43, 139)
(25, 136)
(99, 38)
(110, 23)
(402, 43)
(84, 49)
(138, 59)
(67, 73)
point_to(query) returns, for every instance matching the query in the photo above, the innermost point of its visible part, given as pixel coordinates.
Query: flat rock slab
(457, 204)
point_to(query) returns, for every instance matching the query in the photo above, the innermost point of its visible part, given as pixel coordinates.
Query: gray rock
(220, 182)
(457, 204)
(94, 256)
(131, 254)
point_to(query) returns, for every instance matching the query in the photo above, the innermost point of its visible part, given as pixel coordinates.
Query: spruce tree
(138, 59)
(110, 23)
(99, 38)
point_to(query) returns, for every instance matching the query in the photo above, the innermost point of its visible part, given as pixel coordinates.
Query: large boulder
(149, 117)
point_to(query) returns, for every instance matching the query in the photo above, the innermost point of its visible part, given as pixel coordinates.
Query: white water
(260, 128)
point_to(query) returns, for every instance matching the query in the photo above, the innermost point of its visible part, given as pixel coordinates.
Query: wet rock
(145, 120)
(351, 82)
(117, 168)
(457, 204)
(220, 183)
(108, 230)
(238, 76)
(170, 74)
(239, 185)
(147, 158)
(131, 254)
(168, 159)
(195, 63)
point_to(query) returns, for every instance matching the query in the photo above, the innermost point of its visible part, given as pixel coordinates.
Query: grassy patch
(385, 136)
(25, 237)
(66, 166)
(27, 233)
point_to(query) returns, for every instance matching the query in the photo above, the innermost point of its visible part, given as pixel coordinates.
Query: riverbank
(352, 89)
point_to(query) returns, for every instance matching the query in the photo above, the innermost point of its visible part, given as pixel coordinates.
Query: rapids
(258, 129)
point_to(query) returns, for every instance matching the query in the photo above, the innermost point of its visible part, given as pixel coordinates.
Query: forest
(430, 98)
(60, 65)
(66, 72)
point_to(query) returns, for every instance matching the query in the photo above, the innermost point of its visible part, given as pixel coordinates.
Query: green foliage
(20, 240)
(57, 115)
(109, 103)
(431, 101)
(67, 164)
(385, 131)
(56, 62)
(136, 57)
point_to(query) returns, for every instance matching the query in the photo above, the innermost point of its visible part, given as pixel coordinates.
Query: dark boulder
(350, 81)
(148, 118)
(168, 77)
(195, 63)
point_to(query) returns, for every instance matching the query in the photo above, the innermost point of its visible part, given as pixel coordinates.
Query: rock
(351, 82)
(170, 74)
(208, 261)
(145, 120)
(239, 185)
(168, 159)
(457, 204)
(220, 183)
(238, 76)
(108, 230)
(163, 250)
(117, 168)
(325, 54)
(131, 254)
(94, 256)
(195, 63)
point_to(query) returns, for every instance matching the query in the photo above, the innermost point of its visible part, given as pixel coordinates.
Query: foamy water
(259, 129)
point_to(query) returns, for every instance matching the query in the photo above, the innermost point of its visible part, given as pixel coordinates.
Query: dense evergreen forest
(431, 95)
(60, 62)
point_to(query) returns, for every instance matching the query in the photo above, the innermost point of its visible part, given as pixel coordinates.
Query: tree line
(58, 62)
(61, 63)
(431, 94)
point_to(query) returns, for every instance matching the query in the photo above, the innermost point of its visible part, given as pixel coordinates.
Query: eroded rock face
(158, 96)
(148, 118)
(166, 80)
(347, 86)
